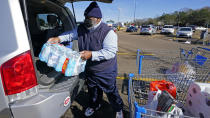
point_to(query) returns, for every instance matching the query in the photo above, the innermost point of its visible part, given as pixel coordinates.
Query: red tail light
(18, 74)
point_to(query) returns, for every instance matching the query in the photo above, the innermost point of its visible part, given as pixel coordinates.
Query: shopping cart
(193, 65)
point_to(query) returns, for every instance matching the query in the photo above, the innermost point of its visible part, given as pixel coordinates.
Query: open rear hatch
(65, 1)
(48, 78)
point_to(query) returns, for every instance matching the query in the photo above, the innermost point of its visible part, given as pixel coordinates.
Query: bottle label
(65, 65)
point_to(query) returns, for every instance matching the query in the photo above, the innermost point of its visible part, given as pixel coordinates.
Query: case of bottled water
(45, 52)
(62, 59)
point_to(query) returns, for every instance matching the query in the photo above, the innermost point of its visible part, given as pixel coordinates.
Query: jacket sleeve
(68, 36)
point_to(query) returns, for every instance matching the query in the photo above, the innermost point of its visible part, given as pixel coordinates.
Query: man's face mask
(90, 23)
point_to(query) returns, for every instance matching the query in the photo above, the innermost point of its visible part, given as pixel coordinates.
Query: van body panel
(49, 102)
(43, 105)
(14, 41)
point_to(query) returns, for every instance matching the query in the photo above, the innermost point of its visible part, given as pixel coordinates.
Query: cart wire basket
(180, 68)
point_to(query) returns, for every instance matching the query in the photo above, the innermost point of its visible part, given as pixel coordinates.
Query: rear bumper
(184, 35)
(167, 32)
(145, 32)
(46, 104)
(43, 105)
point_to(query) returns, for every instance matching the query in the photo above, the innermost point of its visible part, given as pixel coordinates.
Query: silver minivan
(28, 87)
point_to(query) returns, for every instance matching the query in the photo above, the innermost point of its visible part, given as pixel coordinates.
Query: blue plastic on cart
(139, 110)
(207, 49)
(130, 75)
(200, 59)
(139, 61)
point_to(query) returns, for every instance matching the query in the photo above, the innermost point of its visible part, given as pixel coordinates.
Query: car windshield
(168, 27)
(185, 29)
(191, 26)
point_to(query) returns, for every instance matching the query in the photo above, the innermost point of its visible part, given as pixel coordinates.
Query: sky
(123, 10)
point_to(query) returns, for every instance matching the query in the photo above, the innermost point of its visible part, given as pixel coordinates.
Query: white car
(167, 29)
(200, 28)
(148, 29)
(184, 32)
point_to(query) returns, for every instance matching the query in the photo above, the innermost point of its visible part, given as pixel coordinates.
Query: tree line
(184, 17)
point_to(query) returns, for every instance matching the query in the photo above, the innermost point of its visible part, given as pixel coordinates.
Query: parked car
(28, 87)
(113, 28)
(201, 28)
(184, 32)
(193, 27)
(132, 29)
(148, 29)
(167, 29)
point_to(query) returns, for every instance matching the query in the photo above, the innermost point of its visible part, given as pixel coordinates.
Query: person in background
(98, 45)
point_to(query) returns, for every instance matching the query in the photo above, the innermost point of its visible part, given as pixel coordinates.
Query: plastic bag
(172, 111)
(163, 85)
(181, 74)
(198, 100)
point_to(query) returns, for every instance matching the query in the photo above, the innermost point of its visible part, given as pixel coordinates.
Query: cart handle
(207, 49)
(139, 61)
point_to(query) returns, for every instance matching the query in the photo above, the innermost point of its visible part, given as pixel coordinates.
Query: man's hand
(85, 55)
(53, 40)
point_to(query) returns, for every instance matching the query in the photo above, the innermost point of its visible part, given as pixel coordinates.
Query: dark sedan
(132, 29)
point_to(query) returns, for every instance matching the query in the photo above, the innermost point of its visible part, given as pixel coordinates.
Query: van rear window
(48, 21)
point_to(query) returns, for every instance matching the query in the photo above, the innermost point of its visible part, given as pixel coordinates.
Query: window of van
(48, 21)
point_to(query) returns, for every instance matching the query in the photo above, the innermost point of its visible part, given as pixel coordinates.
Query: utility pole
(134, 18)
(178, 19)
(119, 19)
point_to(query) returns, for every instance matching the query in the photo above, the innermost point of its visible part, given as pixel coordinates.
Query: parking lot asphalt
(128, 43)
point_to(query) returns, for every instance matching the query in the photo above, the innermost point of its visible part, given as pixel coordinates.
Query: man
(98, 45)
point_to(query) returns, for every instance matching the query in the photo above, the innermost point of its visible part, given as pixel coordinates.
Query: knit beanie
(93, 10)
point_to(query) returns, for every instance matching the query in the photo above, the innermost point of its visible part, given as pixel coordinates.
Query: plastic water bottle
(76, 70)
(82, 65)
(54, 56)
(45, 52)
(62, 58)
(70, 67)
(73, 60)
(61, 61)
(67, 55)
